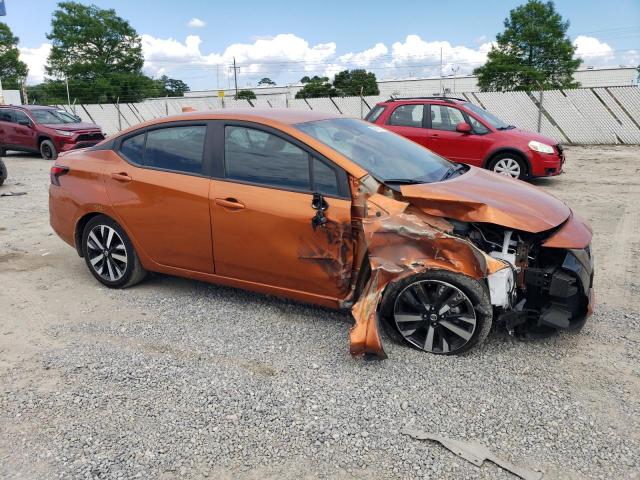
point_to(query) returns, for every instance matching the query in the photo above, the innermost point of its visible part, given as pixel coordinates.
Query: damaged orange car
(328, 210)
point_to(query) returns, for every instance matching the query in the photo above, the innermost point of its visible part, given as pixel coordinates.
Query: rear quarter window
(375, 113)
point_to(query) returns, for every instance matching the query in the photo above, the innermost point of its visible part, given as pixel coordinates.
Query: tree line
(98, 56)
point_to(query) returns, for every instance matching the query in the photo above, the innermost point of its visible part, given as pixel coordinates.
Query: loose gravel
(181, 379)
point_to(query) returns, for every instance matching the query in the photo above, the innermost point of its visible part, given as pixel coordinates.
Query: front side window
(385, 155)
(180, 149)
(325, 178)
(256, 156)
(407, 116)
(445, 118)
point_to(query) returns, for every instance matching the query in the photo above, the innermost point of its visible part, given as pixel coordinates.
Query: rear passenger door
(159, 187)
(262, 209)
(408, 120)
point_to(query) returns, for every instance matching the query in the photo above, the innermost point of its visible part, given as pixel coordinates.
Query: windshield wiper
(449, 173)
(507, 127)
(402, 181)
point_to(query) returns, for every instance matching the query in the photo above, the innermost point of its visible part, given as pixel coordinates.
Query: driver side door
(262, 206)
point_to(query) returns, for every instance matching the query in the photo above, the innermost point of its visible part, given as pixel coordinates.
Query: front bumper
(546, 164)
(556, 294)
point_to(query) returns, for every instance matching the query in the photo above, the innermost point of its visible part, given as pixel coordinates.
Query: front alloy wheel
(508, 166)
(437, 311)
(435, 316)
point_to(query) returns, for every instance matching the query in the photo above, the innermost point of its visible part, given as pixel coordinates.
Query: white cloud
(36, 59)
(366, 57)
(593, 52)
(196, 23)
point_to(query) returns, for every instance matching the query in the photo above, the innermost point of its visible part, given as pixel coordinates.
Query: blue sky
(286, 40)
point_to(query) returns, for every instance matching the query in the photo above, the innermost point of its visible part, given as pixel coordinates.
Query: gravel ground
(180, 379)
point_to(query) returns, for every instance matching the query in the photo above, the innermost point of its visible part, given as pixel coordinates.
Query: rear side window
(176, 148)
(256, 156)
(6, 115)
(133, 148)
(375, 113)
(407, 116)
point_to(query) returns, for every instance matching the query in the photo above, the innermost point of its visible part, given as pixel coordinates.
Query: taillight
(56, 172)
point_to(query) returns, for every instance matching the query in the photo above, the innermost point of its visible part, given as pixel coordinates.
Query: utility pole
(235, 76)
(1, 96)
(25, 96)
(66, 81)
(440, 70)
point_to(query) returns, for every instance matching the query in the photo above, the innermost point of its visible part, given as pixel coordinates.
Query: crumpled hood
(482, 196)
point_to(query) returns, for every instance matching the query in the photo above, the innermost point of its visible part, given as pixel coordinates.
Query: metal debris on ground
(12, 194)
(473, 452)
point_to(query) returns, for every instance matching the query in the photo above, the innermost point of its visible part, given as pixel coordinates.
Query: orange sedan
(332, 211)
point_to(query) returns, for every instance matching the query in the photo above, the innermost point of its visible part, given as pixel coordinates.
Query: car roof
(288, 116)
(30, 107)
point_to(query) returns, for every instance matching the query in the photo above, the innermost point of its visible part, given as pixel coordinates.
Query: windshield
(52, 117)
(490, 118)
(385, 155)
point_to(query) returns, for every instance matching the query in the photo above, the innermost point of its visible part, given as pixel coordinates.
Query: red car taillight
(56, 172)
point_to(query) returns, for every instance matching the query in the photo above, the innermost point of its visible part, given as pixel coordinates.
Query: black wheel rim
(435, 316)
(106, 253)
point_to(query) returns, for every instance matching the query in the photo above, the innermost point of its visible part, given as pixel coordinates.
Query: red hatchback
(463, 132)
(44, 130)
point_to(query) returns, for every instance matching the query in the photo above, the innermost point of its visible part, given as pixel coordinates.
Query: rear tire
(48, 150)
(412, 308)
(3, 152)
(509, 164)
(3, 172)
(109, 254)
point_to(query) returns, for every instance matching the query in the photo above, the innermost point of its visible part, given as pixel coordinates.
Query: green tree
(12, 70)
(266, 81)
(353, 82)
(88, 42)
(245, 95)
(172, 87)
(533, 51)
(317, 87)
(315, 78)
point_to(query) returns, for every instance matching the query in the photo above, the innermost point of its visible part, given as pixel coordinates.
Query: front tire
(109, 254)
(48, 150)
(439, 312)
(510, 165)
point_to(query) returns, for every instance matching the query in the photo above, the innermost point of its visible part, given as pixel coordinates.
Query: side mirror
(463, 127)
(77, 118)
(320, 205)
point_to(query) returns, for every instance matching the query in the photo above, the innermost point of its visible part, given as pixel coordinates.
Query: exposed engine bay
(544, 289)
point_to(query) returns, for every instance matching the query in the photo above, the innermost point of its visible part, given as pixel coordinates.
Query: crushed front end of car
(532, 254)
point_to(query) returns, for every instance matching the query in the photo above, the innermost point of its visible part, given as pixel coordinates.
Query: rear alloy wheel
(48, 150)
(109, 253)
(440, 312)
(508, 165)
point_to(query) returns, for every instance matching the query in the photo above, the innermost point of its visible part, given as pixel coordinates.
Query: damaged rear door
(280, 213)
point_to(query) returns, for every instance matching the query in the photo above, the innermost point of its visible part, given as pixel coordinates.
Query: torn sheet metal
(473, 452)
(403, 240)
